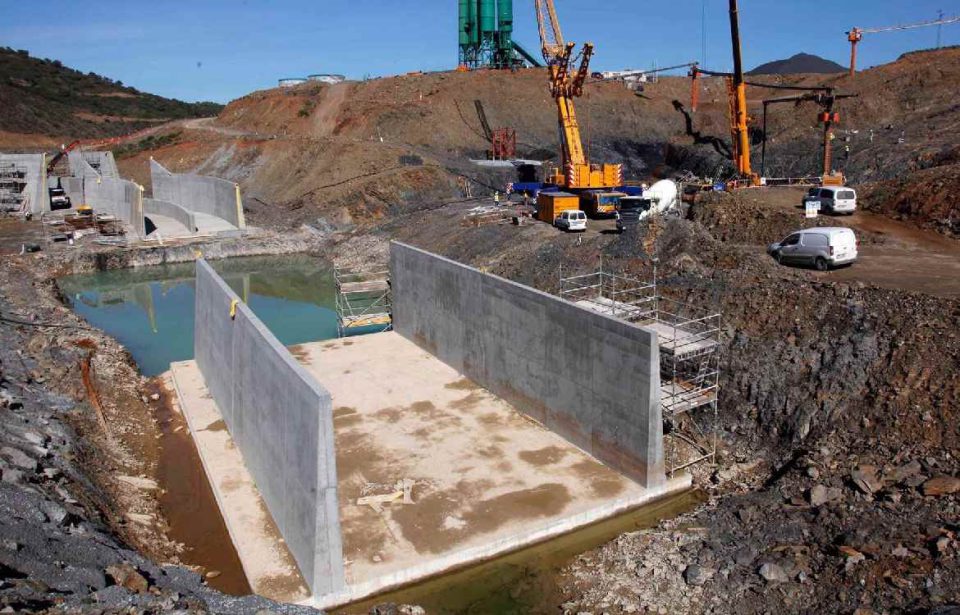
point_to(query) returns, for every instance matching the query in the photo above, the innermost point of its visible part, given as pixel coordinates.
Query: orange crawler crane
(566, 83)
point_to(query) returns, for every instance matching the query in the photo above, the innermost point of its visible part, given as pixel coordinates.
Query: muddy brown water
(524, 581)
(188, 503)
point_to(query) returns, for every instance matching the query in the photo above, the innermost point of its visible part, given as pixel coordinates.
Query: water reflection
(150, 310)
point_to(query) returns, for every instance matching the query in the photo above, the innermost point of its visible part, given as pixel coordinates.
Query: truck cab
(59, 199)
(600, 203)
(632, 210)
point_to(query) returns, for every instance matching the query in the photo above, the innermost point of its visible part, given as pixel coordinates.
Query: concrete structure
(326, 78)
(103, 163)
(170, 219)
(398, 467)
(27, 193)
(282, 422)
(290, 82)
(215, 203)
(591, 378)
(106, 194)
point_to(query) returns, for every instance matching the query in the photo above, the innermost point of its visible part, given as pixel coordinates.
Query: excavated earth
(836, 487)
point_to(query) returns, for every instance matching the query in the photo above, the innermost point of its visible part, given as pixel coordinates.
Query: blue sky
(222, 49)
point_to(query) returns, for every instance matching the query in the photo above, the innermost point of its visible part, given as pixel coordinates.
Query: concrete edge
(503, 546)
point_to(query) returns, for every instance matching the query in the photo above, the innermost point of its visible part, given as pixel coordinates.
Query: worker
(496, 198)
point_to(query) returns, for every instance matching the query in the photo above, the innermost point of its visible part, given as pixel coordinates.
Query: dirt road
(893, 255)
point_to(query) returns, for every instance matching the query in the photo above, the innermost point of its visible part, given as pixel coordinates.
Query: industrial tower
(486, 36)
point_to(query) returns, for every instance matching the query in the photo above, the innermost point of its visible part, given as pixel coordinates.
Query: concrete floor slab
(480, 479)
(270, 568)
(485, 478)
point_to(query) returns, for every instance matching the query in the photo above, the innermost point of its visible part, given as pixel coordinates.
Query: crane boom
(922, 24)
(551, 38)
(855, 35)
(567, 77)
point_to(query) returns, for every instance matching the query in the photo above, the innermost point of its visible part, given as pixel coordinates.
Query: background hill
(802, 63)
(43, 97)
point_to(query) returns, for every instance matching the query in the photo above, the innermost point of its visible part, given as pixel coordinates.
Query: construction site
(525, 335)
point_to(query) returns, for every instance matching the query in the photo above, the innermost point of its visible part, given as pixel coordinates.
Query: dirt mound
(929, 198)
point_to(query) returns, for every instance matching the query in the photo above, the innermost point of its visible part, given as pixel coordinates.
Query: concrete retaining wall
(208, 195)
(171, 210)
(103, 163)
(282, 421)
(117, 197)
(36, 198)
(592, 379)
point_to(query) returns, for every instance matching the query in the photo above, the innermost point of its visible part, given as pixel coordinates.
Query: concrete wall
(282, 421)
(79, 167)
(171, 210)
(117, 197)
(103, 163)
(590, 378)
(208, 195)
(36, 198)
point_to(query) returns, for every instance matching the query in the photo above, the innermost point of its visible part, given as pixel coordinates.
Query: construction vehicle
(826, 99)
(855, 35)
(737, 91)
(600, 203)
(59, 156)
(566, 83)
(503, 141)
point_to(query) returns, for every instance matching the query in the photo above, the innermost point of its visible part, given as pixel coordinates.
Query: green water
(150, 309)
(525, 581)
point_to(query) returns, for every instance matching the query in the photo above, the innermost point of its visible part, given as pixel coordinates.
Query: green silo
(506, 17)
(473, 22)
(488, 19)
(464, 33)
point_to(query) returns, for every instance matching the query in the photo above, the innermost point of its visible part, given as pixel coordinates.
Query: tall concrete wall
(208, 195)
(282, 421)
(107, 194)
(103, 162)
(592, 379)
(36, 198)
(171, 210)
(117, 197)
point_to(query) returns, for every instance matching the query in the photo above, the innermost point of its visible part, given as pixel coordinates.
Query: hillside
(802, 63)
(44, 98)
(356, 152)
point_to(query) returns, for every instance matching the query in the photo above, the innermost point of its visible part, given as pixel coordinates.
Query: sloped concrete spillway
(493, 417)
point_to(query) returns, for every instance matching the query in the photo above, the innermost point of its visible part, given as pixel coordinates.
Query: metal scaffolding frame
(363, 301)
(13, 181)
(689, 343)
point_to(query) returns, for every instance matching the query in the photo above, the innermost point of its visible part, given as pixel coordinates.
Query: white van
(572, 220)
(823, 247)
(833, 199)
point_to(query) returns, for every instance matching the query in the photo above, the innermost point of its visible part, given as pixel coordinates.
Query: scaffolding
(13, 182)
(689, 345)
(363, 301)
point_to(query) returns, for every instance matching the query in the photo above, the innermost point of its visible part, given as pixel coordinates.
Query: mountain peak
(800, 63)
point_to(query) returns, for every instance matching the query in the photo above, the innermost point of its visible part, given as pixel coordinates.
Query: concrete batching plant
(486, 36)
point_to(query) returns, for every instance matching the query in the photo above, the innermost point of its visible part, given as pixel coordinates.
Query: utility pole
(939, 28)
(703, 33)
